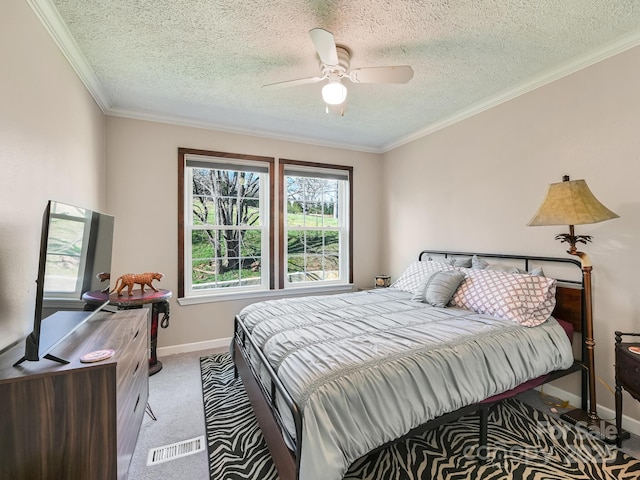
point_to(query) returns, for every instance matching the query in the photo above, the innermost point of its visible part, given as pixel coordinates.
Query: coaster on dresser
(96, 356)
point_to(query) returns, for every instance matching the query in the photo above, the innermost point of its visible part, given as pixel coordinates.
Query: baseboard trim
(630, 424)
(218, 344)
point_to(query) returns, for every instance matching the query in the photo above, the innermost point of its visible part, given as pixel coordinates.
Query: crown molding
(50, 18)
(186, 122)
(624, 43)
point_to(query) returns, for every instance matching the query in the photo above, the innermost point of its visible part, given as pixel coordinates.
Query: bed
(333, 377)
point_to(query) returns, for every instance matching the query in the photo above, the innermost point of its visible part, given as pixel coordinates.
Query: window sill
(266, 294)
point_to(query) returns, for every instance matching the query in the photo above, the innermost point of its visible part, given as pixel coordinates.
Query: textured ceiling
(203, 62)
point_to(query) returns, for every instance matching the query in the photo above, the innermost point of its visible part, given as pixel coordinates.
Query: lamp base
(600, 429)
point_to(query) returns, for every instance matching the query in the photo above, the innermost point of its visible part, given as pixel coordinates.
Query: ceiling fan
(334, 66)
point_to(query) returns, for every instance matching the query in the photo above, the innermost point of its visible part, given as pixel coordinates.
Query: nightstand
(627, 377)
(159, 301)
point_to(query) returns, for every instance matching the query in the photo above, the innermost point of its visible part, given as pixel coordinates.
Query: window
(315, 227)
(226, 217)
(67, 247)
(226, 225)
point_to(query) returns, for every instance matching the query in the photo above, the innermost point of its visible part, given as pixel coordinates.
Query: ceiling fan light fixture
(335, 62)
(334, 93)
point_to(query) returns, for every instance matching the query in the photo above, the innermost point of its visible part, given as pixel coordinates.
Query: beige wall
(474, 186)
(142, 159)
(51, 147)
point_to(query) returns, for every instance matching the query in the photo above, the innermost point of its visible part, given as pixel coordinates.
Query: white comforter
(367, 367)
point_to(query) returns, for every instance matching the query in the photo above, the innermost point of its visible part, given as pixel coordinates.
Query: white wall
(474, 186)
(142, 171)
(51, 147)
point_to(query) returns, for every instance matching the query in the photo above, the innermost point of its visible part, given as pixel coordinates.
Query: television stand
(53, 358)
(48, 356)
(76, 420)
(53, 330)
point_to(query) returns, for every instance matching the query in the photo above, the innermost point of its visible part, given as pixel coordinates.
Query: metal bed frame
(569, 306)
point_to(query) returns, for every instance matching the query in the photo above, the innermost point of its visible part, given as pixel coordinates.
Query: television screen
(75, 253)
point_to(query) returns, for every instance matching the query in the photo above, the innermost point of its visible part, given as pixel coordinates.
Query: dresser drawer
(130, 365)
(628, 370)
(132, 381)
(133, 390)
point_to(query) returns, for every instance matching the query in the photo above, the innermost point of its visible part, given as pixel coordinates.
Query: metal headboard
(524, 258)
(570, 299)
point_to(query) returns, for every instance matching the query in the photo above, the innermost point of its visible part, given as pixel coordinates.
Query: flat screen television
(75, 254)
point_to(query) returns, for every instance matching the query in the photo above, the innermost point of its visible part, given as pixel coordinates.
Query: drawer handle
(137, 402)
(136, 335)
(135, 370)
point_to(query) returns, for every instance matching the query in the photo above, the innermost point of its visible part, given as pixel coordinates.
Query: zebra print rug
(523, 443)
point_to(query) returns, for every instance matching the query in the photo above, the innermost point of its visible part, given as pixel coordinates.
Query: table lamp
(570, 202)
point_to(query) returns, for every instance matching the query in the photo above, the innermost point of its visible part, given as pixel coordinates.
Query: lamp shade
(570, 202)
(334, 93)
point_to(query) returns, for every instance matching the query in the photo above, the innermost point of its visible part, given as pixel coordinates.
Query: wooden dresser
(81, 420)
(627, 376)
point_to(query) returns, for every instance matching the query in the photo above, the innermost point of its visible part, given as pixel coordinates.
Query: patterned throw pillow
(525, 299)
(411, 278)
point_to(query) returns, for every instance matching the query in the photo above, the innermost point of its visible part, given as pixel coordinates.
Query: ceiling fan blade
(292, 83)
(325, 45)
(397, 74)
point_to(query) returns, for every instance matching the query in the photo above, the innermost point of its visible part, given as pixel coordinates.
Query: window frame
(282, 211)
(183, 226)
(84, 222)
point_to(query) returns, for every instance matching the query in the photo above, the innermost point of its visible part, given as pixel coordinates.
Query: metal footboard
(258, 364)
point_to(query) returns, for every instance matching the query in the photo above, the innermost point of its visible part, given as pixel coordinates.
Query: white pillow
(522, 298)
(461, 261)
(481, 264)
(411, 278)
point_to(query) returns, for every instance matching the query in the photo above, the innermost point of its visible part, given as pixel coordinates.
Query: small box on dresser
(80, 420)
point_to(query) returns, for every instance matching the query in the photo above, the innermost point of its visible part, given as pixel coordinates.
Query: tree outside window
(313, 233)
(226, 212)
(226, 251)
(316, 234)
(226, 223)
